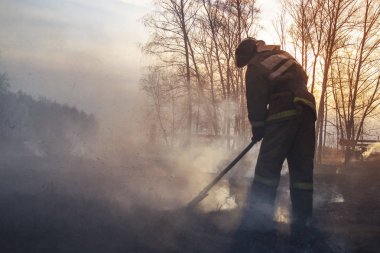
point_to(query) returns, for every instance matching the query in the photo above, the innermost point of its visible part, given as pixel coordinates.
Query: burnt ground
(47, 209)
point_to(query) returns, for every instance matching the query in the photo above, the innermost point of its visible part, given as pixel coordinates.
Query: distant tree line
(197, 90)
(41, 126)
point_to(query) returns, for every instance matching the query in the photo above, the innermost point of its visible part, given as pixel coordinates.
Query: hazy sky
(81, 52)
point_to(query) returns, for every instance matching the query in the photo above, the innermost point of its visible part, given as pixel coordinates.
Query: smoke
(372, 150)
(35, 148)
(189, 170)
(117, 151)
(104, 167)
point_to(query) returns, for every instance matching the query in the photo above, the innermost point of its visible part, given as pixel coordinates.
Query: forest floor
(58, 204)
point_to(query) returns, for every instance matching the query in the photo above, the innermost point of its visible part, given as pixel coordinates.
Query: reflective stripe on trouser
(292, 139)
(302, 186)
(266, 181)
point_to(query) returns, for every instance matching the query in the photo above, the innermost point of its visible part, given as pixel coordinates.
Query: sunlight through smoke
(372, 150)
(282, 214)
(337, 198)
(219, 199)
(224, 199)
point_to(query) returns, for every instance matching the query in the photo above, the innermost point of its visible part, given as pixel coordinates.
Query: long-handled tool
(203, 194)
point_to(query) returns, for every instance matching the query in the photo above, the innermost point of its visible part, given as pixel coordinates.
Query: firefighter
(282, 114)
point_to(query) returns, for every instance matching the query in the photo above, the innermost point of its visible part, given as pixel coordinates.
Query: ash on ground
(56, 204)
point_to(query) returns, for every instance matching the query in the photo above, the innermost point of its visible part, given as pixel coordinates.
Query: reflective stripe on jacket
(297, 100)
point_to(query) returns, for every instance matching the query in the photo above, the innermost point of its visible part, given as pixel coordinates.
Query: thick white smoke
(371, 150)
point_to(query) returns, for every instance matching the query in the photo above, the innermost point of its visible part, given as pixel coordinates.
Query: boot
(259, 210)
(301, 226)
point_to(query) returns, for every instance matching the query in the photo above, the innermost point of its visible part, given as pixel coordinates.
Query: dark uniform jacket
(275, 86)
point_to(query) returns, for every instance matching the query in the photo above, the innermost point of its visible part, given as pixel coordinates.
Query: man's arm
(257, 91)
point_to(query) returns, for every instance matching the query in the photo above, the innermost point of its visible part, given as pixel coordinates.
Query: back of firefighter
(282, 114)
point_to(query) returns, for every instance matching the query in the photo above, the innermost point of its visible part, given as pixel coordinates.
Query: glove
(257, 133)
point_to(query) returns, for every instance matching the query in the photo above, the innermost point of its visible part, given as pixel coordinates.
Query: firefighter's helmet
(245, 51)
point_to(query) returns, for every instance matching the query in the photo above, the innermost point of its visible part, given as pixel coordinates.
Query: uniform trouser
(292, 139)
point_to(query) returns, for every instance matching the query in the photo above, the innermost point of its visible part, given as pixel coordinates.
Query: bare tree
(338, 16)
(171, 23)
(356, 75)
(280, 26)
(197, 39)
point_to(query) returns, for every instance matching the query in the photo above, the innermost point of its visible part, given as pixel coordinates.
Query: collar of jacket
(263, 48)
